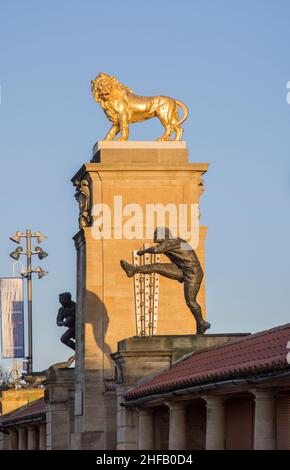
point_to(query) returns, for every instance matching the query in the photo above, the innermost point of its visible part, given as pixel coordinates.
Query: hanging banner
(12, 317)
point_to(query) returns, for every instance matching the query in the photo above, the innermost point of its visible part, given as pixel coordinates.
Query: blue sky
(228, 61)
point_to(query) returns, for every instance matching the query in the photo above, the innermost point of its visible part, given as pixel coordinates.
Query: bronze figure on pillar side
(83, 196)
(67, 317)
(184, 267)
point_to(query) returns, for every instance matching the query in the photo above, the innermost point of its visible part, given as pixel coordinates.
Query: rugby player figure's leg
(190, 292)
(168, 270)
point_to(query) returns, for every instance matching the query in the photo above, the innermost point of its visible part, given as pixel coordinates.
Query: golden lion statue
(123, 107)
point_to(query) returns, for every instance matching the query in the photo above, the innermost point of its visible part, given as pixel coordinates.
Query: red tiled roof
(31, 411)
(250, 355)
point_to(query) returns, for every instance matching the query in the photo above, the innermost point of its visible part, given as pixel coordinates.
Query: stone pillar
(127, 423)
(215, 423)
(42, 436)
(59, 402)
(177, 426)
(32, 441)
(265, 420)
(22, 438)
(145, 429)
(13, 439)
(119, 174)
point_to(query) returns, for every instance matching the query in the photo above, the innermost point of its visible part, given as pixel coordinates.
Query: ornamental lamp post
(28, 276)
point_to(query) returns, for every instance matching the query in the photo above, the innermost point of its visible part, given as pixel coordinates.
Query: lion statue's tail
(185, 113)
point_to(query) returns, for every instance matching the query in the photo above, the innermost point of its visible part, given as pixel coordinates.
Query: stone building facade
(184, 392)
(229, 396)
(45, 423)
(25, 428)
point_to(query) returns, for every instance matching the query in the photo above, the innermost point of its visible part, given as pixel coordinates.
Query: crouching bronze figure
(67, 317)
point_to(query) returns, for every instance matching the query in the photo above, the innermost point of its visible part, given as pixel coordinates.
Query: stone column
(42, 437)
(59, 402)
(4, 441)
(265, 422)
(145, 429)
(135, 173)
(22, 438)
(13, 439)
(215, 423)
(32, 438)
(177, 426)
(127, 423)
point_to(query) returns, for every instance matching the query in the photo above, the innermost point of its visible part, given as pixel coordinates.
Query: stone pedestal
(59, 401)
(122, 174)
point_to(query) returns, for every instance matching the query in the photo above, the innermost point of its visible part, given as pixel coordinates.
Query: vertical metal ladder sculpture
(146, 295)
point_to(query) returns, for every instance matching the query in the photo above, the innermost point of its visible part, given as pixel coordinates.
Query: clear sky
(228, 61)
